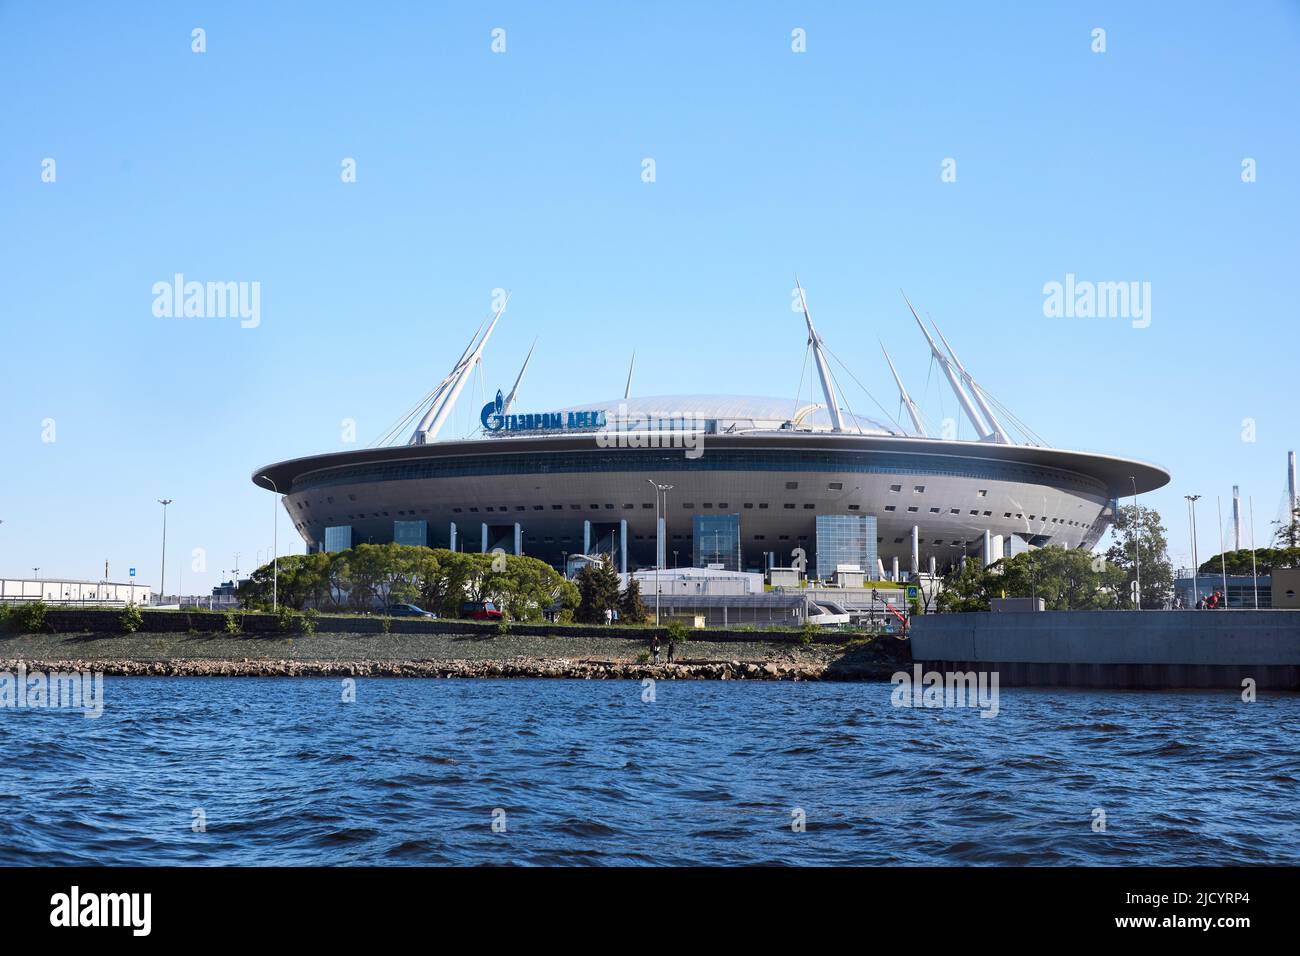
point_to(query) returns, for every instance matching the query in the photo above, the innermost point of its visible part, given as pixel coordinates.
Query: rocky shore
(516, 667)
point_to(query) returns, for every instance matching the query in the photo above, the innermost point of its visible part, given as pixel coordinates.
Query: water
(586, 773)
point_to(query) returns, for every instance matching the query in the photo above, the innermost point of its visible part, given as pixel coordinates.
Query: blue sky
(523, 170)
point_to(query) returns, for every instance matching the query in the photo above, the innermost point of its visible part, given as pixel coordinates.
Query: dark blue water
(587, 773)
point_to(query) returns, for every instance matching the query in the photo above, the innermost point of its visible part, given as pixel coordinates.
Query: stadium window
(788, 507)
(889, 507)
(855, 507)
(629, 507)
(539, 507)
(836, 486)
(557, 507)
(488, 508)
(688, 504)
(934, 511)
(1006, 514)
(974, 512)
(912, 508)
(987, 513)
(520, 508)
(762, 505)
(895, 487)
(646, 504)
(919, 490)
(352, 497)
(708, 504)
(809, 507)
(983, 492)
(789, 486)
(749, 504)
(723, 505)
(954, 511)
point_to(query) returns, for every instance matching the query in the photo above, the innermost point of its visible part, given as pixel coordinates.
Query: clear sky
(523, 170)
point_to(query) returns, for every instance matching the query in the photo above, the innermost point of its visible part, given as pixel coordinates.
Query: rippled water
(586, 772)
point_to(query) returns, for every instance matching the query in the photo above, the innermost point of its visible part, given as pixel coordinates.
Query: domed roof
(734, 412)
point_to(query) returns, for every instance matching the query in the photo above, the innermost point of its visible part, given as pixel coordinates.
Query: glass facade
(716, 541)
(846, 539)
(411, 532)
(338, 538)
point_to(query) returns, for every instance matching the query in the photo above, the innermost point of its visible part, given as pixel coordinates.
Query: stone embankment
(517, 667)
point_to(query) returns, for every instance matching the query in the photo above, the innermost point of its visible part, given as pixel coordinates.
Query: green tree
(598, 591)
(1066, 580)
(1137, 531)
(631, 609)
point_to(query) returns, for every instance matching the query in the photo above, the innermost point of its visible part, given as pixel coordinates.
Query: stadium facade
(755, 482)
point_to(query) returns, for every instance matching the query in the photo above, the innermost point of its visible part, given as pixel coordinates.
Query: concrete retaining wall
(1117, 648)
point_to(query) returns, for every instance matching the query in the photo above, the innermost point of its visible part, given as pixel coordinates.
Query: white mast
(1236, 518)
(975, 390)
(828, 387)
(913, 412)
(510, 399)
(627, 390)
(980, 428)
(437, 414)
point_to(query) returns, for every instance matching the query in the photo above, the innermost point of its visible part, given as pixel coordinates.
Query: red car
(480, 611)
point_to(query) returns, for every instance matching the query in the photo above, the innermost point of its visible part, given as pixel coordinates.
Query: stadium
(713, 481)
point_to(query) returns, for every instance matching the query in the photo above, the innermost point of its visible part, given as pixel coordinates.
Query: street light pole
(275, 546)
(1191, 508)
(162, 577)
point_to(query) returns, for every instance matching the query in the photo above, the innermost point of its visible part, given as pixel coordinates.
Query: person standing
(654, 649)
(672, 648)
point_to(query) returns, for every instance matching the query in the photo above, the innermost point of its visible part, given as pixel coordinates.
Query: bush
(808, 633)
(284, 618)
(643, 657)
(386, 624)
(503, 628)
(307, 620)
(678, 632)
(29, 618)
(234, 625)
(131, 620)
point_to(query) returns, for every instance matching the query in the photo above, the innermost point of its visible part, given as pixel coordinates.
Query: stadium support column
(483, 548)
(452, 546)
(519, 538)
(622, 546)
(893, 574)
(988, 548)
(999, 547)
(916, 549)
(931, 566)
(586, 537)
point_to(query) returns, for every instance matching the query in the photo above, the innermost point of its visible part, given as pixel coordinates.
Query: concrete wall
(1117, 648)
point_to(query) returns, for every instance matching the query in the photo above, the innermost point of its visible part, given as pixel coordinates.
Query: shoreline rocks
(527, 667)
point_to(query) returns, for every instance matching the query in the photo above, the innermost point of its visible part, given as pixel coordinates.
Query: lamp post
(1191, 509)
(1137, 548)
(162, 576)
(275, 546)
(659, 542)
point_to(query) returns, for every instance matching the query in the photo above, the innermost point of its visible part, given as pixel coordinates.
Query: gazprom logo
(494, 419)
(493, 415)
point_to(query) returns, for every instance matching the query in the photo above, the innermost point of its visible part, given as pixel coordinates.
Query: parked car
(407, 610)
(480, 611)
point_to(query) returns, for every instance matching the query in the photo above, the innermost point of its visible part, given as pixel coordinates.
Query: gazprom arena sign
(495, 421)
